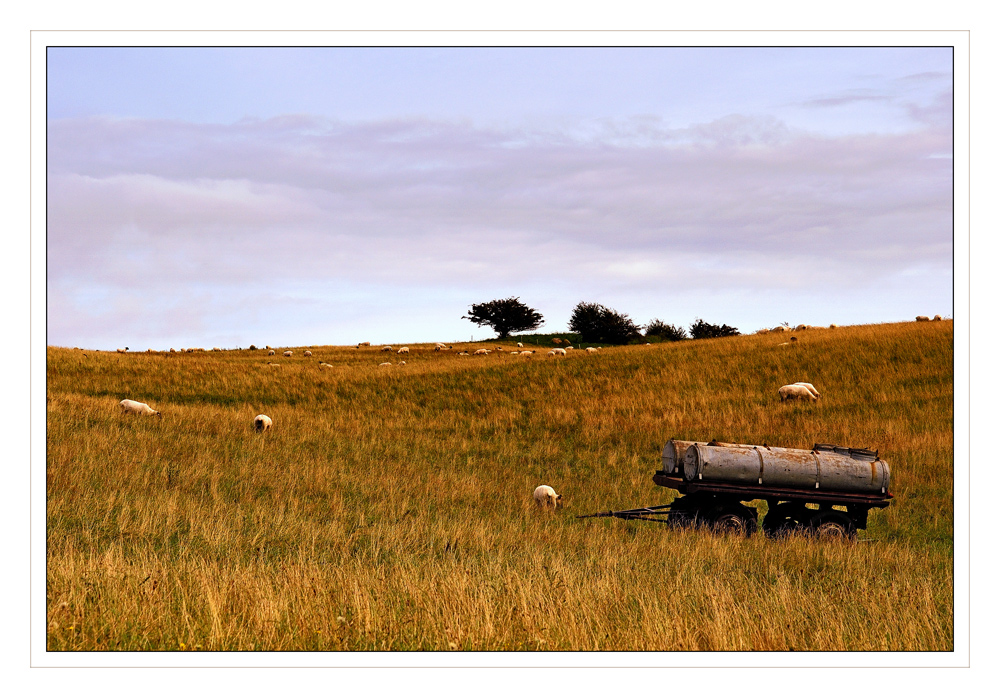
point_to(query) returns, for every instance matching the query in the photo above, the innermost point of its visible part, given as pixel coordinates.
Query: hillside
(390, 507)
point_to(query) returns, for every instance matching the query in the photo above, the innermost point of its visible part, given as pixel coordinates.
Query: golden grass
(390, 508)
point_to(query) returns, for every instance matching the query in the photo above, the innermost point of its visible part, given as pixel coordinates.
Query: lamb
(287, 353)
(546, 497)
(403, 350)
(133, 407)
(261, 423)
(794, 392)
(810, 387)
(307, 353)
(923, 318)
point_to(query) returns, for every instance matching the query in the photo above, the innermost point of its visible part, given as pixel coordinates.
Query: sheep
(273, 365)
(364, 344)
(386, 348)
(923, 318)
(261, 423)
(810, 388)
(763, 331)
(550, 352)
(172, 351)
(216, 349)
(591, 350)
(782, 328)
(133, 407)
(481, 352)
(270, 353)
(936, 317)
(123, 351)
(287, 353)
(569, 346)
(463, 353)
(403, 350)
(834, 326)
(441, 347)
(783, 344)
(556, 340)
(323, 364)
(307, 353)
(402, 363)
(526, 353)
(520, 345)
(558, 352)
(794, 392)
(386, 363)
(801, 327)
(546, 497)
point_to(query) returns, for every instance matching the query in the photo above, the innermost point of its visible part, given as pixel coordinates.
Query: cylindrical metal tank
(824, 468)
(674, 451)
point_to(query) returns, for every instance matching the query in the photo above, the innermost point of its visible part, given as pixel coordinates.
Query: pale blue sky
(313, 196)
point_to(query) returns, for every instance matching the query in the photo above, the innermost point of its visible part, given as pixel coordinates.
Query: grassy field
(390, 507)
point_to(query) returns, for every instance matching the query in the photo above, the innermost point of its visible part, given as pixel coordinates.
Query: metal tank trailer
(827, 490)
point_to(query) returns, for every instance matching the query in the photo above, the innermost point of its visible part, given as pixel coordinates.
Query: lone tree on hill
(596, 323)
(703, 330)
(505, 316)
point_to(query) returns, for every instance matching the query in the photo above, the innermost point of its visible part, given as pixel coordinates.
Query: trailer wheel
(832, 525)
(783, 520)
(735, 519)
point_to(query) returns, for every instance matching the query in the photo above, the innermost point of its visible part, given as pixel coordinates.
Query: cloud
(192, 221)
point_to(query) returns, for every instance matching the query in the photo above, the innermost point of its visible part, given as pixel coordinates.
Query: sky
(310, 196)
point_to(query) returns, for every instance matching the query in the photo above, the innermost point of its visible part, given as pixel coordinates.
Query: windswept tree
(704, 330)
(596, 323)
(505, 316)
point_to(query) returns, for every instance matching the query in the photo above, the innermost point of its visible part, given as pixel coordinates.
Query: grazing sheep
(261, 423)
(403, 350)
(591, 350)
(387, 348)
(441, 347)
(526, 353)
(763, 331)
(273, 365)
(364, 344)
(810, 388)
(834, 326)
(783, 344)
(271, 353)
(936, 317)
(463, 353)
(558, 352)
(385, 364)
(323, 364)
(801, 327)
(307, 353)
(481, 352)
(122, 351)
(520, 345)
(287, 353)
(923, 318)
(172, 350)
(782, 328)
(546, 497)
(133, 407)
(401, 363)
(795, 392)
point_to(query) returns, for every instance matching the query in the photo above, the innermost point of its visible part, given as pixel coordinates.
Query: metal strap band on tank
(760, 478)
(816, 456)
(874, 470)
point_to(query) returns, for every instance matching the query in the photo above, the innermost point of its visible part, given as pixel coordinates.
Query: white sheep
(307, 353)
(546, 497)
(520, 345)
(794, 392)
(364, 344)
(763, 331)
(481, 352)
(323, 364)
(270, 353)
(133, 407)
(591, 350)
(463, 353)
(385, 364)
(386, 348)
(810, 387)
(782, 328)
(261, 423)
(526, 353)
(403, 350)
(834, 326)
(287, 353)
(923, 318)
(936, 317)
(558, 351)
(123, 351)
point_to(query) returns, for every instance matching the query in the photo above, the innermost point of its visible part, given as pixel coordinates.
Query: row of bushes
(593, 322)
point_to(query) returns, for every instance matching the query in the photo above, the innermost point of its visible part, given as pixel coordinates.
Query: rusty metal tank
(674, 452)
(825, 467)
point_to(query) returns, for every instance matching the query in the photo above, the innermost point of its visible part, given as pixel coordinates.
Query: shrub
(668, 333)
(703, 330)
(596, 323)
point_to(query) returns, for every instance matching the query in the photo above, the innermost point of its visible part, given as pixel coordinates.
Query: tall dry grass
(390, 508)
